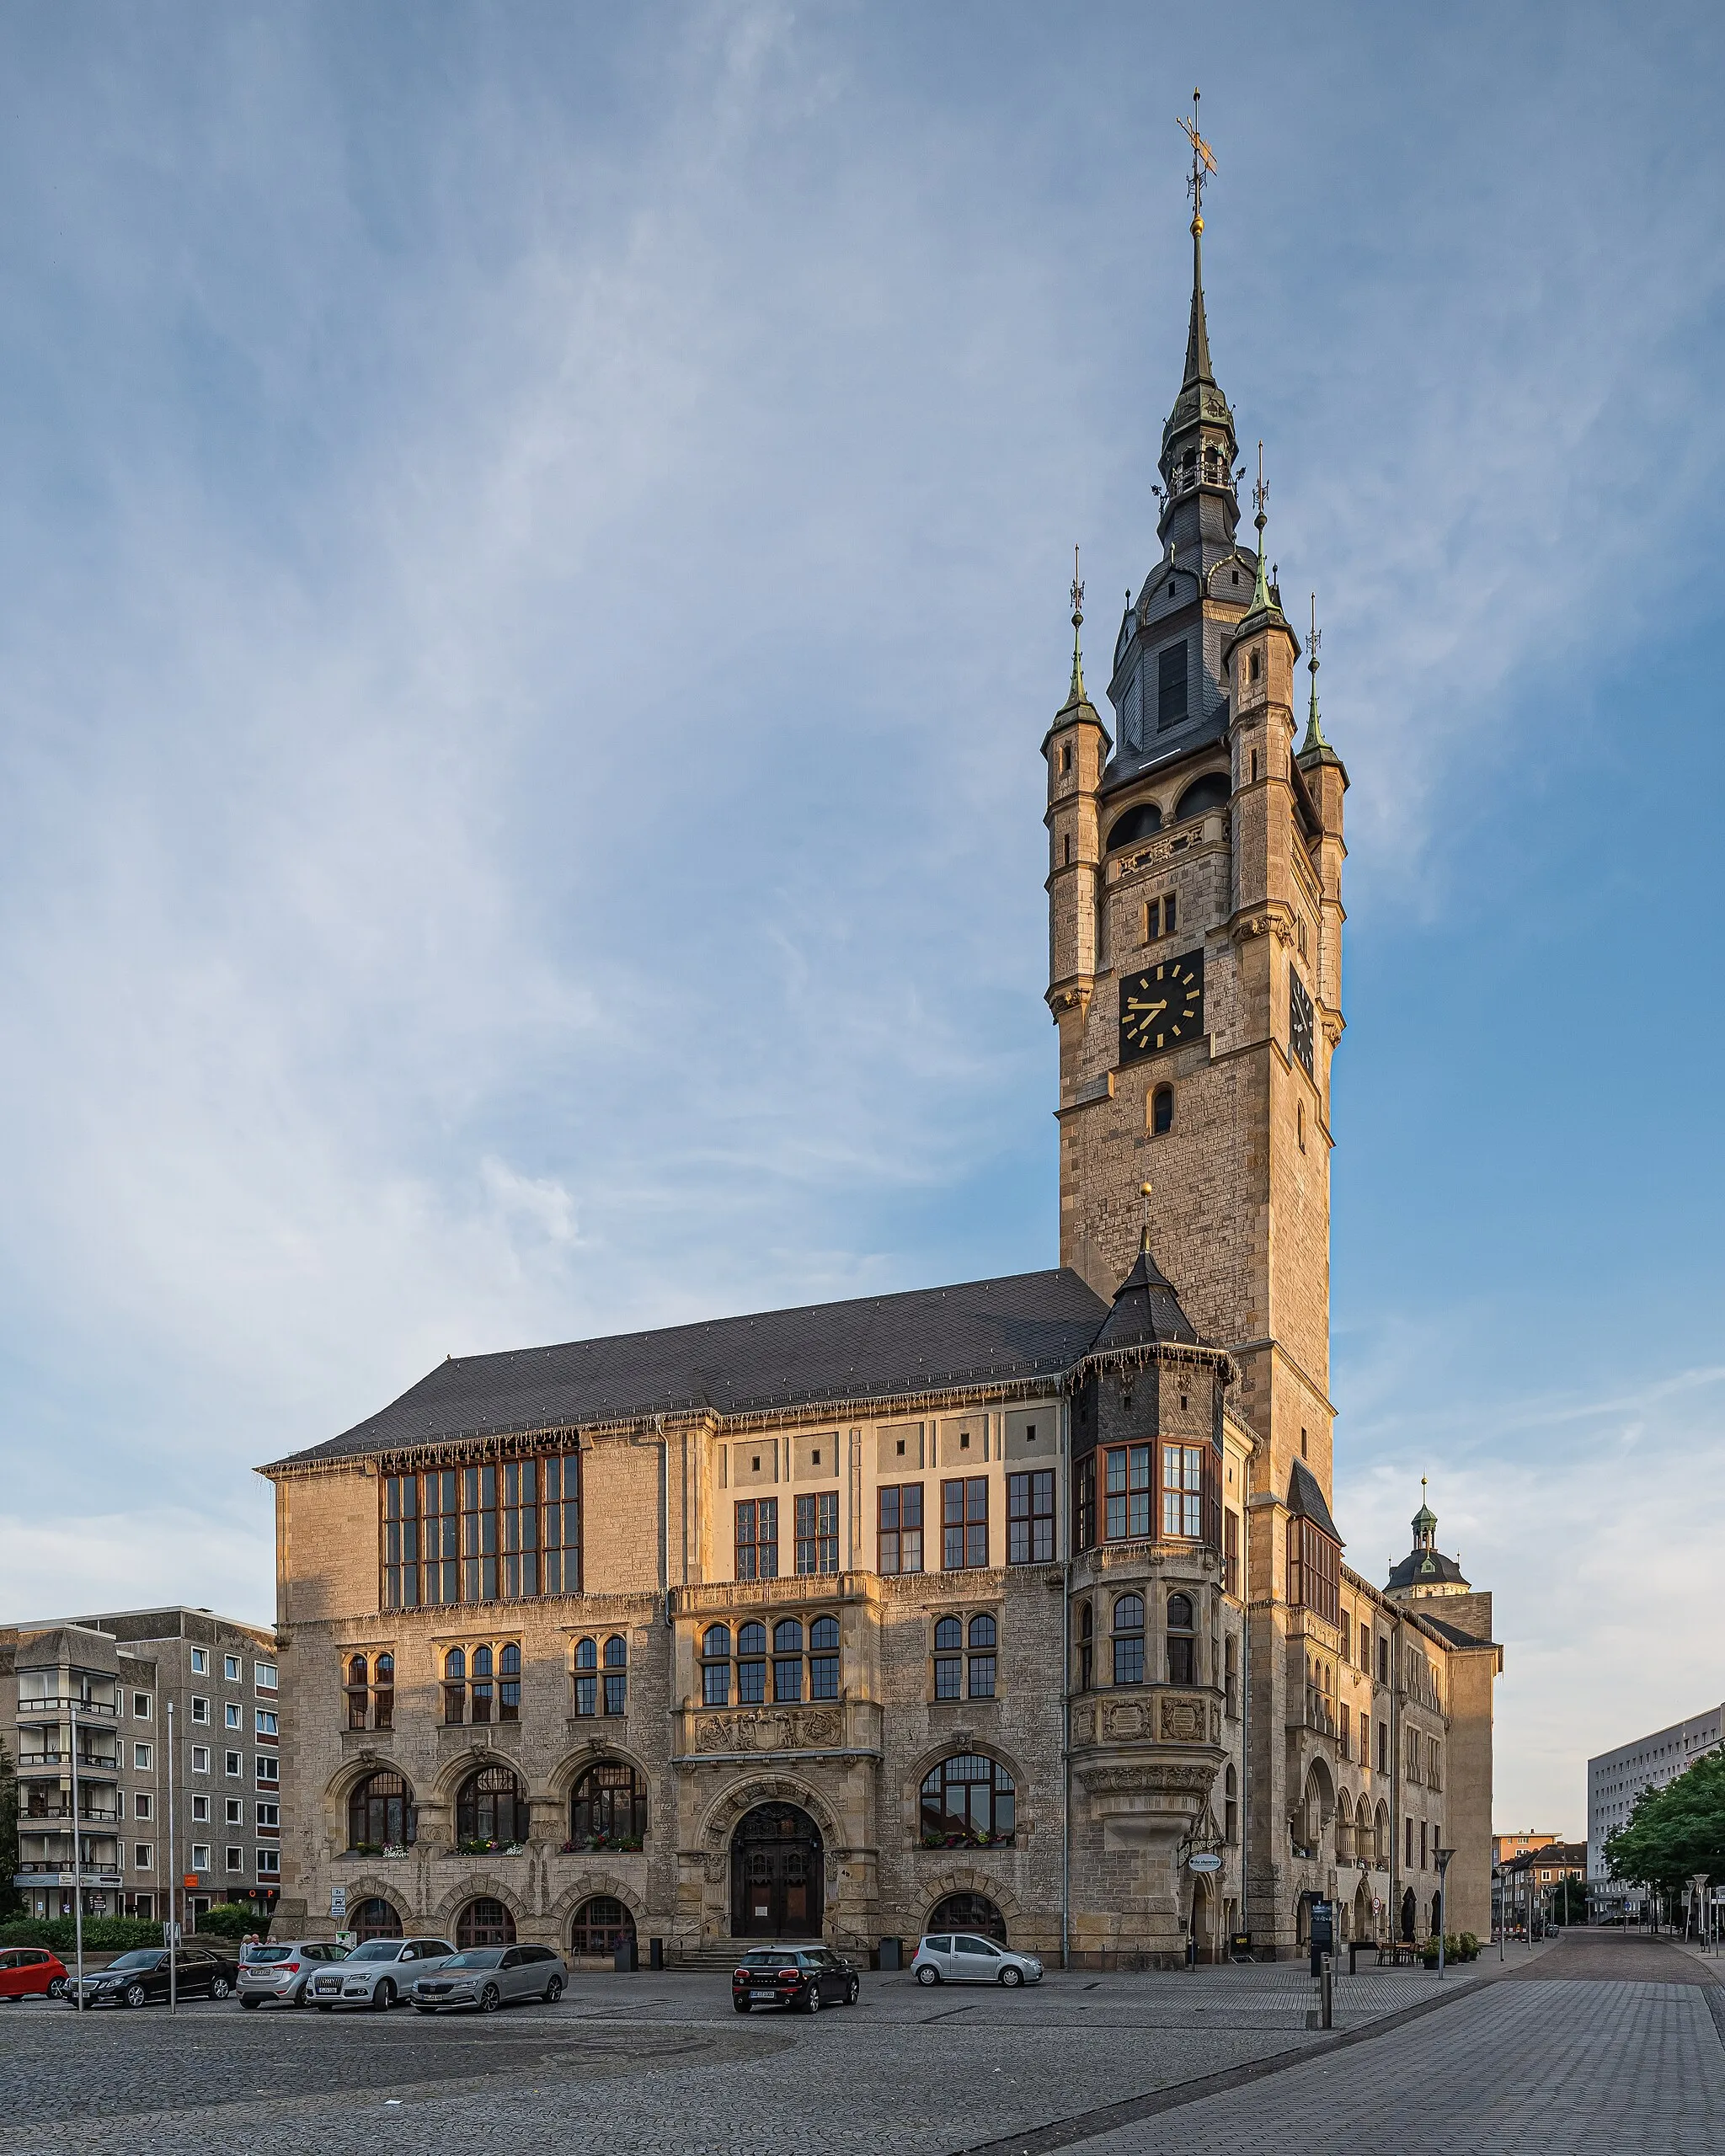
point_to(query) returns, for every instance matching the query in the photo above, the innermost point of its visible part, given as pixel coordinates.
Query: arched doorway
(375, 1919)
(484, 1923)
(1364, 1927)
(973, 1913)
(775, 1875)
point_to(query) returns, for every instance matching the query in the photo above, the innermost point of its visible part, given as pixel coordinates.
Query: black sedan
(139, 1978)
(809, 1977)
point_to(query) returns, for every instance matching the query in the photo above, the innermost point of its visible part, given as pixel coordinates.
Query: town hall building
(1017, 1607)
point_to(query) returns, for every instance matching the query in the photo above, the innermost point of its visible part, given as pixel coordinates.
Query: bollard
(1327, 1992)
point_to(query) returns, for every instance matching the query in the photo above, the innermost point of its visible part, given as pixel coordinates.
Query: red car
(31, 1972)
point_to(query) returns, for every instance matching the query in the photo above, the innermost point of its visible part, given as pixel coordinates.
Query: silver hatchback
(284, 1970)
(378, 1973)
(487, 1977)
(961, 1957)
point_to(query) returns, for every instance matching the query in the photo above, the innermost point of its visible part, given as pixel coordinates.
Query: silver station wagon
(378, 1973)
(487, 1977)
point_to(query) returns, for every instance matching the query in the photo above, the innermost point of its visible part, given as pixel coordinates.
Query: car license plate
(763, 1994)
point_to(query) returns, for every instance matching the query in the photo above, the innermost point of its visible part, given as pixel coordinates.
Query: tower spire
(1260, 496)
(1197, 504)
(1203, 164)
(1314, 729)
(1075, 694)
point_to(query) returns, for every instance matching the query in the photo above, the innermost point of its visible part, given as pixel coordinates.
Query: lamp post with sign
(77, 1869)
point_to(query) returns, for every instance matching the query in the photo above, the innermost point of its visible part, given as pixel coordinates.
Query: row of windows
(501, 1531)
(816, 1545)
(143, 1755)
(964, 1522)
(233, 1714)
(801, 1668)
(263, 1674)
(1127, 1641)
(268, 1863)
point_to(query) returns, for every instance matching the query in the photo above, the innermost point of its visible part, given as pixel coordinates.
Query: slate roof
(1146, 1311)
(1426, 1568)
(1305, 1500)
(1029, 1326)
(1452, 1633)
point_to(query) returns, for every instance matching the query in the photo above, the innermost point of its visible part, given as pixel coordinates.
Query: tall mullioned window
(1314, 1570)
(900, 1545)
(502, 1531)
(818, 1532)
(757, 1538)
(1030, 1516)
(964, 1522)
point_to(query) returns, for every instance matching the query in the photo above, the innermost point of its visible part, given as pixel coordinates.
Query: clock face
(1299, 1020)
(1162, 1007)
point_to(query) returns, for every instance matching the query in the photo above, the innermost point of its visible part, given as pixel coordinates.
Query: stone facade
(1126, 1696)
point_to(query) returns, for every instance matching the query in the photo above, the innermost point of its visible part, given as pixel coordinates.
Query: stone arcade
(985, 1607)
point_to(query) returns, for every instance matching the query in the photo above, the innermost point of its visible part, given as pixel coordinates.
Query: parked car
(809, 1977)
(961, 1957)
(32, 1972)
(284, 1972)
(490, 1977)
(139, 1978)
(378, 1973)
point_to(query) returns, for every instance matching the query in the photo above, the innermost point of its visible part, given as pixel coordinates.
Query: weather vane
(1077, 594)
(1203, 162)
(1317, 639)
(1075, 694)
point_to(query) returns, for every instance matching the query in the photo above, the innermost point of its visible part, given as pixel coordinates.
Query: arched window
(1231, 1797)
(1139, 823)
(1161, 1111)
(375, 1919)
(608, 1808)
(967, 1803)
(981, 1671)
(484, 1923)
(982, 1632)
(586, 1654)
(509, 1683)
(491, 1809)
(455, 1685)
(949, 1659)
(1182, 1642)
(600, 1926)
(716, 1666)
(1212, 791)
(359, 1691)
(383, 1692)
(380, 1813)
(1086, 1641)
(483, 1691)
(617, 1675)
(1129, 1639)
(971, 1913)
(751, 1664)
(824, 1658)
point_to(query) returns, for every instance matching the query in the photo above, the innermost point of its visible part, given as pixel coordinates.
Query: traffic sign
(337, 1901)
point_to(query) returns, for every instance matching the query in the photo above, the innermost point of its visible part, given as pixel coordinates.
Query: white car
(963, 1958)
(284, 1972)
(378, 1973)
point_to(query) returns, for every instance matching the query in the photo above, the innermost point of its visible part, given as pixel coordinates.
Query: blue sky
(533, 545)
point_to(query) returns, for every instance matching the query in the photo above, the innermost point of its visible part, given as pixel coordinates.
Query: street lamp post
(77, 1869)
(1444, 1857)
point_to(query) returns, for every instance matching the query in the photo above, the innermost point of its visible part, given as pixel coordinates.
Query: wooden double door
(775, 1875)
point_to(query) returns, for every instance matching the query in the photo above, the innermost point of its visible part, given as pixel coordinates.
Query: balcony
(54, 1875)
(29, 1813)
(50, 1706)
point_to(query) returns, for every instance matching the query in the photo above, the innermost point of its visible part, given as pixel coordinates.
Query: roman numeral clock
(1162, 1007)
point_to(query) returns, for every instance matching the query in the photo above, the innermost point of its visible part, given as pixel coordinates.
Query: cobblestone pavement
(662, 2065)
(1603, 2046)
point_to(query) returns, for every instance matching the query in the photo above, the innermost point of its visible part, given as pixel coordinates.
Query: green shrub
(232, 1920)
(101, 1934)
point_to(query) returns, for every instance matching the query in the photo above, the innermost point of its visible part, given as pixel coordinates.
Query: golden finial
(1144, 1232)
(1203, 164)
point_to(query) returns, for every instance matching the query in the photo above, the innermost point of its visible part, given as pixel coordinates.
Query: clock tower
(1195, 947)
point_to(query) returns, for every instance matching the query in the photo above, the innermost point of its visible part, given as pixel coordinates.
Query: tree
(11, 1901)
(1675, 1832)
(1569, 1901)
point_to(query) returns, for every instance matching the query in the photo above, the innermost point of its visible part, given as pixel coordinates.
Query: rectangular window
(1343, 1730)
(234, 1763)
(141, 1705)
(965, 1521)
(1183, 1492)
(757, 1538)
(1169, 906)
(1152, 920)
(201, 1759)
(616, 1691)
(441, 1535)
(1314, 1570)
(200, 1808)
(1030, 1517)
(560, 1478)
(401, 1541)
(266, 1722)
(586, 1696)
(231, 1716)
(1084, 1511)
(1171, 692)
(899, 1547)
(1126, 1492)
(268, 1864)
(236, 1812)
(982, 1676)
(144, 1856)
(751, 1679)
(1383, 1659)
(265, 1676)
(236, 1857)
(141, 1758)
(788, 1677)
(230, 1668)
(823, 1677)
(201, 1709)
(519, 1526)
(1408, 1823)
(1383, 1748)
(1422, 1844)
(716, 1685)
(479, 1532)
(818, 1533)
(1347, 1650)
(268, 1768)
(948, 1676)
(1231, 1553)
(201, 1856)
(269, 1817)
(140, 1805)
(201, 1661)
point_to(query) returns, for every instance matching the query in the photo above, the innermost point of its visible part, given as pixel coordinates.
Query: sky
(533, 553)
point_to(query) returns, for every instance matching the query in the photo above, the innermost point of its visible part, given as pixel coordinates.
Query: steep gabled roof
(1305, 1500)
(1027, 1326)
(1146, 1311)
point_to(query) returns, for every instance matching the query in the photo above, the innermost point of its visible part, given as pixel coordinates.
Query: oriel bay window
(1314, 1570)
(899, 1546)
(967, 1803)
(1182, 1641)
(964, 1522)
(1126, 1486)
(805, 1661)
(499, 1530)
(1132, 1478)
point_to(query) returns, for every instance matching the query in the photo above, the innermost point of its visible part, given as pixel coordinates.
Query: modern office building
(1615, 1778)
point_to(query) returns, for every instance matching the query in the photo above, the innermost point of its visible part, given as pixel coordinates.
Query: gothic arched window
(1182, 1642)
(1129, 1639)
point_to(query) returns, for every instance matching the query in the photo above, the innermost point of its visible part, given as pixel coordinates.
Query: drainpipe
(1245, 1712)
